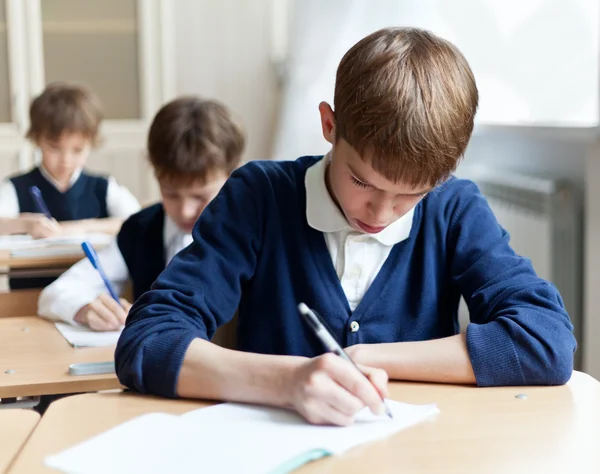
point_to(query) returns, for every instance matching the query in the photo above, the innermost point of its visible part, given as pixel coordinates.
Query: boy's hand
(104, 313)
(39, 226)
(329, 390)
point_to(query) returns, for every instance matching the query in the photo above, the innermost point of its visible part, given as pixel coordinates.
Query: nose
(381, 210)
(189, 210)
(66, 157)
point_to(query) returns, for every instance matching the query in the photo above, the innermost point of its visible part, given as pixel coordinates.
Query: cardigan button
(354, 326)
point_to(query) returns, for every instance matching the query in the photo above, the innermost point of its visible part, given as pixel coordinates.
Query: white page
(82, 336)
(25, 246)
(225, 438)
(10, 242)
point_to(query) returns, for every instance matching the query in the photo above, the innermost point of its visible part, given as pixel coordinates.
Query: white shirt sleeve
(119, 200)
(9, 202)
(82, 284)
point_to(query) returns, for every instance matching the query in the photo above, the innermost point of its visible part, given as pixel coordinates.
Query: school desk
(36, 266)
(479, 430)
(15, 428)
(35, 358)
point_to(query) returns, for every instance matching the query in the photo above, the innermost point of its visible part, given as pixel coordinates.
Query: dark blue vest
(141, 243)
(86, 199)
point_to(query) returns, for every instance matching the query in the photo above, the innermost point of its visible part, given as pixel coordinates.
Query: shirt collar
(174, 235)
(55, 183)
(323, 214)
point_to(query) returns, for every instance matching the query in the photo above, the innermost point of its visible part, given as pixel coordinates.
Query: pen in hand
(317, 325)
(36, 195)
(90, 253)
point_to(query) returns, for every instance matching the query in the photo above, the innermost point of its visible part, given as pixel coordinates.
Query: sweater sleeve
(520, 332)
(198, 291)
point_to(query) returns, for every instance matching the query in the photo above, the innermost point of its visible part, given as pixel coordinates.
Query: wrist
(360, 353)
(285, 380)
(67, 228)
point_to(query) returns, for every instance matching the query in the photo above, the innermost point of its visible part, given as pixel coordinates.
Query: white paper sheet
(25, 246)
(81, 336)
(226, 438)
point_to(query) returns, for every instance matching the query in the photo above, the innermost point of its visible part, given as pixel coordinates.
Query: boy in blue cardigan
(377, 236)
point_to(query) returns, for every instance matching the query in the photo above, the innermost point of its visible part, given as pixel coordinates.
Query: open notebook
(82, 336)
(25, 246)
(227, 438)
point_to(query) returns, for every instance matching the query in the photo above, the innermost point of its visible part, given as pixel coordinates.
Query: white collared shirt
(81, 284)
(357, 257)
(119, 200)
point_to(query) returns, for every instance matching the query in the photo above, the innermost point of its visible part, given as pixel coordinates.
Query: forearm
(10, 225)
(212, 372)
(109, 225)
(443, 360)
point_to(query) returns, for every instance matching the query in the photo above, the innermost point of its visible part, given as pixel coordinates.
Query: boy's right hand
(104, 314)
(329, 390)
(39, 226)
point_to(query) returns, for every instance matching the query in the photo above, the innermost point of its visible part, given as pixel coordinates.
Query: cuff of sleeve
(65, 309)
(493, 356)
(163, 359)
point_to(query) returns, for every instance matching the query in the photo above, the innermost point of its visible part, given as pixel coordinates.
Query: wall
(223, 52)
(539, 152)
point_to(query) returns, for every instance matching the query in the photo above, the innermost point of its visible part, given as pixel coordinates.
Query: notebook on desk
(23, 246)
(227, 438)
(82, 336)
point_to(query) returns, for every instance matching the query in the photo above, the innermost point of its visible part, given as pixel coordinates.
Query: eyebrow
(361, 179)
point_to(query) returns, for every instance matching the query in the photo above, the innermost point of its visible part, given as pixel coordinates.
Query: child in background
(65, 121)
(377, 237)
(193, 146)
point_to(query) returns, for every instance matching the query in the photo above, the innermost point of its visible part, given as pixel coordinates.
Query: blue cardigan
(254, 249)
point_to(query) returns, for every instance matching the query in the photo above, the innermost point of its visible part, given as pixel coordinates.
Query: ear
(327, 122)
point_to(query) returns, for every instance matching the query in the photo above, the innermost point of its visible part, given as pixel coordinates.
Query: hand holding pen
(40, 225)
(329, 390)
(107, 312)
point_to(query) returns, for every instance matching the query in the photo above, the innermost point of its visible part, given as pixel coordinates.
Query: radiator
(544, 220)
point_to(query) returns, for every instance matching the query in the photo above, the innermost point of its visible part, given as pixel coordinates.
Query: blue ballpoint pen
(90, 253)
(318, 326)
(36, 194)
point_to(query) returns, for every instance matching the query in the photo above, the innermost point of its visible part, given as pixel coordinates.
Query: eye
(360, 184)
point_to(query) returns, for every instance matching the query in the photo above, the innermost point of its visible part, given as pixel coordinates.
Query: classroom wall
(223, 52)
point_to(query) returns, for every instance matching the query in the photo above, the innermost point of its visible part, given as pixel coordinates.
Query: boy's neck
(61, 183)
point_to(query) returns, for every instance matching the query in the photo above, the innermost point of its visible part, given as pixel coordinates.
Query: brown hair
(405, 100)
(191, 138)
(65, 108)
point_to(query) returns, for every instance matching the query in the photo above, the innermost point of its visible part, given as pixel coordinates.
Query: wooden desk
(554, 430)
(15, 428)
(52, 261)
(40, 357)
(35, 266)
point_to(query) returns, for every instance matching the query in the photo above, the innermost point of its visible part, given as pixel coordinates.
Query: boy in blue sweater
(377, 236)
(193, 146)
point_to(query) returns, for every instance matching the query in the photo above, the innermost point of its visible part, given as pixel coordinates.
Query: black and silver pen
(317, 325)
